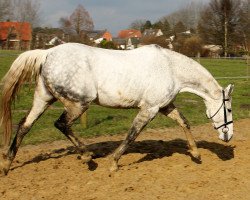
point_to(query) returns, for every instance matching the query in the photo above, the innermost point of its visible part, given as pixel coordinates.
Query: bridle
(225, 127)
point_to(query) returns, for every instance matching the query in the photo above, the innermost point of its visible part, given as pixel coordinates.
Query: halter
(225, 128)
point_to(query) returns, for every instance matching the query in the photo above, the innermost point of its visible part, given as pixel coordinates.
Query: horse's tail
(24, 68)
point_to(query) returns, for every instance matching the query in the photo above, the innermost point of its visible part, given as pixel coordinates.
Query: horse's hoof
(3, 172)
(4, 166)
(114, 167)
(196, 155)
(86, 157)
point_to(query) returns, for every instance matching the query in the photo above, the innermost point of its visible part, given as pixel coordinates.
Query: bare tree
(28, 11)
(20, 10)
(179, 27)
(66, 25)
(188, 15)
(138, 24)
(77, 25)
(80, 20)
(243, 30)
(221, 27)
(4, 9)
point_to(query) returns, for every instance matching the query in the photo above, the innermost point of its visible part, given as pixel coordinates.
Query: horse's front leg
(140, 121)
(172, 112)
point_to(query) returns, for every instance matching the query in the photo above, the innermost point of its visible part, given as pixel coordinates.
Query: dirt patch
(246, 95)
(245, 106)
(156, 166)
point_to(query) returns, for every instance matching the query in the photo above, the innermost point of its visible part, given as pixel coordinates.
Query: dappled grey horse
(148, 78)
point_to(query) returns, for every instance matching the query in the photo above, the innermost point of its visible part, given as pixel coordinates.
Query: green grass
(112, 121)
(225, 67)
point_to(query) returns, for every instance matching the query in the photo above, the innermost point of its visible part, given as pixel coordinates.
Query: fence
(245, 58)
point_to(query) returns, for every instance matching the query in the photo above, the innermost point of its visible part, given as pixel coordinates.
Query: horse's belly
(134, 97)
(117, 98)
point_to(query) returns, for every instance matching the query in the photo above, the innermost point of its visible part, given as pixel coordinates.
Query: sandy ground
(156, 166)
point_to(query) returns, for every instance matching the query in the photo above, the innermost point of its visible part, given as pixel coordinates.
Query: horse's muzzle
(227, 138)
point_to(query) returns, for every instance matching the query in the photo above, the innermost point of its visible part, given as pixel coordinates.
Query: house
(120, 43)
(44, 38)
(188, 32)
(15, 35)
(152, 33)
(130, 39)
(126, 44)
(214, 51)
(130, 33)
(54, 42)
(99, 35)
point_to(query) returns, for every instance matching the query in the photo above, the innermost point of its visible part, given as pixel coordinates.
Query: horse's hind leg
(42, 99)
(72, 111)
(172, 112)
(141, 120)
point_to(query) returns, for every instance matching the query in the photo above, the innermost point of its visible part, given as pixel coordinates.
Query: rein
(225, 128)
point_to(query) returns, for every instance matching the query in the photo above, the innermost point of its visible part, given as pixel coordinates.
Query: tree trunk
(226, 33)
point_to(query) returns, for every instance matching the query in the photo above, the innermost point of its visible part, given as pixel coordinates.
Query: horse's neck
(199, 81)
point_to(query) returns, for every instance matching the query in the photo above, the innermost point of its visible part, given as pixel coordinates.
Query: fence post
(248, 67)
(84, 120)
(198, 57)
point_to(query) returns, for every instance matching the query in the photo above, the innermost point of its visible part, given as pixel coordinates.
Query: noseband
(225, 128)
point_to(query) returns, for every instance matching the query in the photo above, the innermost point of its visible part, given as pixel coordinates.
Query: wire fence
(233, 77)
(9, 54)
(246, 58)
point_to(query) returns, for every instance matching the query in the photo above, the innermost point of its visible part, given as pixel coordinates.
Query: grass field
(112, 121)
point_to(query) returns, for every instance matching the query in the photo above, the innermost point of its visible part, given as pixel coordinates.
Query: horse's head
(220, 111)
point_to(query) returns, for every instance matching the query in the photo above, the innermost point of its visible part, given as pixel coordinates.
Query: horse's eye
(229, 110)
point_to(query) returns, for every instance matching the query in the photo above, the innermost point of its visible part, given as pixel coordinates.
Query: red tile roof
(22, 28)
(107, 35)
(129, 34)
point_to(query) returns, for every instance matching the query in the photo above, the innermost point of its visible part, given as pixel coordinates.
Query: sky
(113, 15)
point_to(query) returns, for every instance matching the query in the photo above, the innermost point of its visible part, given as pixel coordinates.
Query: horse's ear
(229, 89)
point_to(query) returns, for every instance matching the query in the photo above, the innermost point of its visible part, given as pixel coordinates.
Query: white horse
(148, 78)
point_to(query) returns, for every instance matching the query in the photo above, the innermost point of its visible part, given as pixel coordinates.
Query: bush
(192, 46)
(107, 45)
(161, 41)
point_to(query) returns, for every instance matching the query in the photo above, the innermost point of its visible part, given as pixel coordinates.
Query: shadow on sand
(153, 149)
